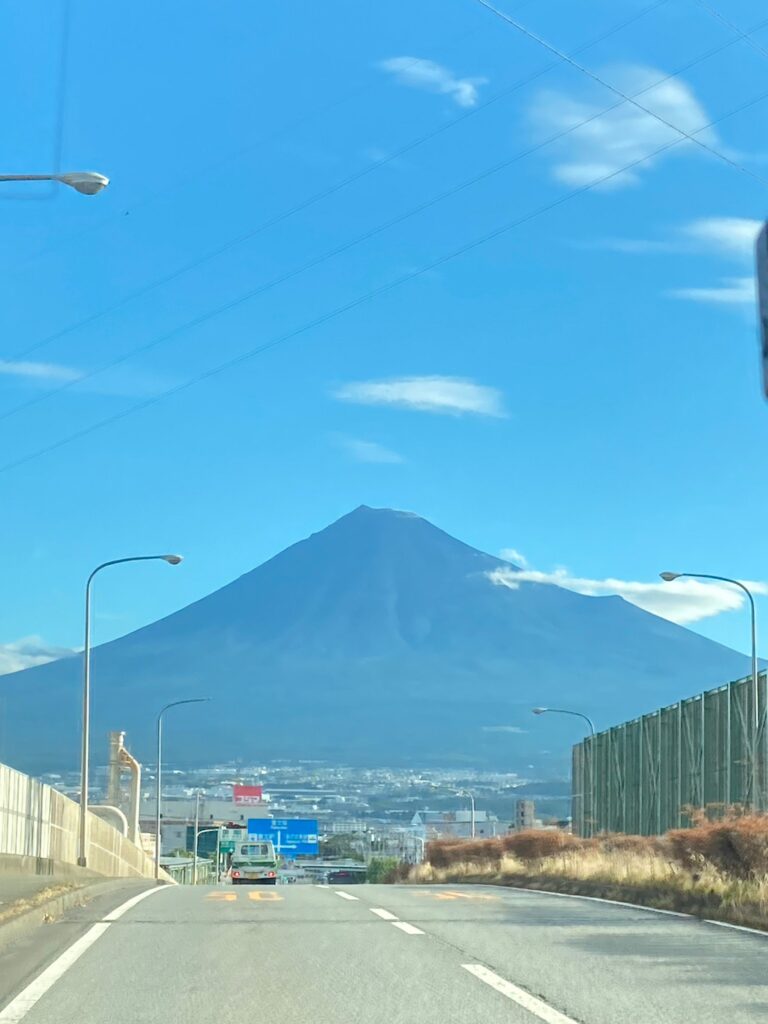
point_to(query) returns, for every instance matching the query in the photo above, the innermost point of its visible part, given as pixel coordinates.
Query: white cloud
(426, 74)
(622, 135)
(503, 728)
(732, 291)
(27, 652)
(681, 601)
(514, 556)
(427, 394)
(370, 451)
(38, 371)
(731, 236)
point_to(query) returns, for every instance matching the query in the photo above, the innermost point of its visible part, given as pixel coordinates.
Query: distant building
(454, 824)
(525, 815)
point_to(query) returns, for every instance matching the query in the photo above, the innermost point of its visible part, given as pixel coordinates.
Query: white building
(454, 824)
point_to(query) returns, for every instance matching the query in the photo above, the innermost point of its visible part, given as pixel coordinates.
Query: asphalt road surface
(373, 954)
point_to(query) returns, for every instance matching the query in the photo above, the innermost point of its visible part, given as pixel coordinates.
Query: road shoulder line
(640, 906)
(20, 1006)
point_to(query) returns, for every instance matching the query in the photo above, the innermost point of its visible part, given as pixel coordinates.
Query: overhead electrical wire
(746, 36)
(360, 300)
(326, 192)
(569, 59)
(344, 247)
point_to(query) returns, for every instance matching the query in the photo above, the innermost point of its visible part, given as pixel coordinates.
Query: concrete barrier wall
(39, 826)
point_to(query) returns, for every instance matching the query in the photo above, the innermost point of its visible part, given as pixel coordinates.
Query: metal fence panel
(707, 753)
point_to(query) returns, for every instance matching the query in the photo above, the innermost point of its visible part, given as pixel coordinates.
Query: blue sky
(583, 388)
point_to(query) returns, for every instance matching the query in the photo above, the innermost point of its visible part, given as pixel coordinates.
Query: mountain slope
(380, 639)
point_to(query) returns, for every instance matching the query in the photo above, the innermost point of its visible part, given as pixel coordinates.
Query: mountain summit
(380, 639)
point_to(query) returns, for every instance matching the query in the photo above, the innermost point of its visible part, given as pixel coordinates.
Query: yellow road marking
(450, 894)
(267, 897)
(228, 896)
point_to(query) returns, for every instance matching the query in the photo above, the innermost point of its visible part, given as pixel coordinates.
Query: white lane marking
(637, 906)
(19, 1007)
(738, 928)
(383, 914)
(320, 885)
(528, 1002)
(346, 895)
(119, 911)
(409, 929)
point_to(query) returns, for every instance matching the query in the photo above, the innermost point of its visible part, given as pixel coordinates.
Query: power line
(327, 192)
(206, 172)
(568, 59)
(344, 247)
(746, 36)
(365, 297)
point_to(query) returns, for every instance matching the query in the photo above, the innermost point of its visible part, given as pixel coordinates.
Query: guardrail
(182, 870)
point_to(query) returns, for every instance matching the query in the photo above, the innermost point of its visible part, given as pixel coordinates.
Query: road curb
(22, 924)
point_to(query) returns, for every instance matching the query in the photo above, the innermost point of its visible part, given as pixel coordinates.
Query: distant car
(344, 877)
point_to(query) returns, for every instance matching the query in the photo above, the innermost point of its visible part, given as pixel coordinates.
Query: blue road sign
(290, 835)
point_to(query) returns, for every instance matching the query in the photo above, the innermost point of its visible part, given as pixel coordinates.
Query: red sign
(247, 796)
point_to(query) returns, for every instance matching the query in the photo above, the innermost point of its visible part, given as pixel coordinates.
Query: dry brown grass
(715, 869)
(21, 906)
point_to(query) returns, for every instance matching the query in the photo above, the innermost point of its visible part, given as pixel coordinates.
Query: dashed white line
(321, 885)
(409, 929)
(345, 895)
(383, 914)
(19, 1007)
(528, 1002)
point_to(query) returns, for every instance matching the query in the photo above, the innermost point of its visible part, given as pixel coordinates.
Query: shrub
(735, 846)
(534, 844)
(381, 869)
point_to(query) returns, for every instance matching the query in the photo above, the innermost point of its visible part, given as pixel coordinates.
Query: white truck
(254, 862)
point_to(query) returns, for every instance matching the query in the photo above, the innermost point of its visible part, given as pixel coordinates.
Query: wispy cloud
(369, 451)
(427, 74)
(622, 135)
(452, 395)
(681, 601)
(514, 556)
(38, 371)
(503, 728)
(730, 236)
(28, 652)
(732, 291)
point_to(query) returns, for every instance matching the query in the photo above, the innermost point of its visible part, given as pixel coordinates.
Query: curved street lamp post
(668, 577)
(159, 773)
(82, 841)
(87, 183)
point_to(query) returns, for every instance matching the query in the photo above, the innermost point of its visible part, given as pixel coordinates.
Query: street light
(466, 792)
(201, 832)
(668, 577)
(87, 183)
(172, 560)
(563, 711)
(588, 754)
(158, 777)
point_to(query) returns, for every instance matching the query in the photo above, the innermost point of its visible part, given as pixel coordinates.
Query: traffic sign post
(296, 836)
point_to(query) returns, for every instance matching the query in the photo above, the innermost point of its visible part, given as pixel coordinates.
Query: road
(382, 955)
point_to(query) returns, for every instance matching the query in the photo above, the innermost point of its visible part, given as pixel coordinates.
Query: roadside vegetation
(716, 869)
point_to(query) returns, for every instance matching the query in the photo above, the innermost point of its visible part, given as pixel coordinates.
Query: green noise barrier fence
(706, 753)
